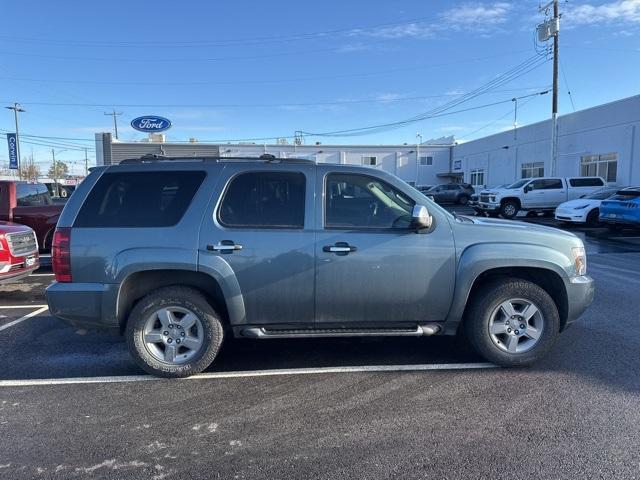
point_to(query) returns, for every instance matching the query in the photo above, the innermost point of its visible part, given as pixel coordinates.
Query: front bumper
(489, 207)
(570, 216)
(84, 305)
(580, 292)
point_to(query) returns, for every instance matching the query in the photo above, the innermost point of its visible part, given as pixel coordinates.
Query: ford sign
(151, 124)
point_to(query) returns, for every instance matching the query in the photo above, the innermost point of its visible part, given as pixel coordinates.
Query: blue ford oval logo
(151, 124)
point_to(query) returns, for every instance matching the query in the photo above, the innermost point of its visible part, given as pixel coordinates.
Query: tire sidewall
(503, 207)
(485, 303)
(178, 297)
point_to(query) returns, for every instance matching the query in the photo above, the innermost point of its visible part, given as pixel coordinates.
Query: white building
(603, 140)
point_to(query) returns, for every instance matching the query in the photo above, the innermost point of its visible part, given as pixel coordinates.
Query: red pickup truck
(18, 252)
(30, 204)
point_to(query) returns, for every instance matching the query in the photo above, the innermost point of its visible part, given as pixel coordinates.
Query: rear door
(260, 225)
(371, 268)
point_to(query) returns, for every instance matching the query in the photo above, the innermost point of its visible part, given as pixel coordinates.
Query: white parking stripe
(251, 373)
(42, 274)
(21, 306)
(23, 318)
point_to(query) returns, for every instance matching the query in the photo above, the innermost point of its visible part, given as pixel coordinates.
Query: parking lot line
(250, 373)
(23, 318)
(42, 274)
(21, 306)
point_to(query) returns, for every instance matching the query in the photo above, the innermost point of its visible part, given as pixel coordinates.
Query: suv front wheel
(173, 332)
(509, 209)
(512, 322)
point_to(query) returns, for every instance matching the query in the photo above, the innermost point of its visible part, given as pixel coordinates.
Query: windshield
(518, 184)
(600, 194)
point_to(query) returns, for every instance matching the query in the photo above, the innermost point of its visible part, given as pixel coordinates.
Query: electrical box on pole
(548, 29)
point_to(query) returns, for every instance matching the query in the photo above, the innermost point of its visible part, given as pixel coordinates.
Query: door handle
(340, 248)
(225, 246)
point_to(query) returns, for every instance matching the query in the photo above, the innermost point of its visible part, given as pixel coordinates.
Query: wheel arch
(545, 278)
(481, 263)
(139, 284)
(512, 199)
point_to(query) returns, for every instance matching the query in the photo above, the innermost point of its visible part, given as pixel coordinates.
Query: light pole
(418, 142)
(17, 109)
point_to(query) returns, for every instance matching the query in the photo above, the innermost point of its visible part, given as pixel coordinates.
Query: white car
(585, 209)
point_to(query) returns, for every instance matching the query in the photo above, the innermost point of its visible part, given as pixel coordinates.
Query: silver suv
(177, 254)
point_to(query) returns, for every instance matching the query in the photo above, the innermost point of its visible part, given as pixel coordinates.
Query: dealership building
(602, 140)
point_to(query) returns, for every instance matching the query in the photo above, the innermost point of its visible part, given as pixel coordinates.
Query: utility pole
(554, 107)
(55, 172)
(551, 28)
(86, 163)
(114, 114)
(17, 109)
(418, 142)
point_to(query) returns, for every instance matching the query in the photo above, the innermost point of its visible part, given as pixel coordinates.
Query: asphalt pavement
(256, 415)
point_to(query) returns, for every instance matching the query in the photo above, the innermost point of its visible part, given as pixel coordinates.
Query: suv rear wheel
(512, 322)
(173, 332)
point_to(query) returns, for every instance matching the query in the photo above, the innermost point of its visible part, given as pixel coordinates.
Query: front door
(371, 267)
(546, 193)
(261, 233)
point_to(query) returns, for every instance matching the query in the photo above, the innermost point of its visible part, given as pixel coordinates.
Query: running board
(419, 331)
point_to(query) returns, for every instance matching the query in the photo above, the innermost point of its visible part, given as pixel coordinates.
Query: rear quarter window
(139, 199)
(586, 182)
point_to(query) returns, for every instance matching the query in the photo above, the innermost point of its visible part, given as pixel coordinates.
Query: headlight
(579, 260)
(581, 207)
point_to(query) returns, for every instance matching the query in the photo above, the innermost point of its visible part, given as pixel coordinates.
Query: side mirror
(420, 217)
(431, 197)
(528, 188)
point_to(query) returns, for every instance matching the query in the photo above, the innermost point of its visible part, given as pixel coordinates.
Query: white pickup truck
(536, 194)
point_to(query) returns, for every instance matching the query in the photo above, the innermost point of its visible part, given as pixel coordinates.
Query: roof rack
(266, 158)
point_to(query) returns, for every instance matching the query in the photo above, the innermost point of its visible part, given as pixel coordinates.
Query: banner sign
(13, 151)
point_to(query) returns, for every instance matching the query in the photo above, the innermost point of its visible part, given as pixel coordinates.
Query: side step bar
(418, 331)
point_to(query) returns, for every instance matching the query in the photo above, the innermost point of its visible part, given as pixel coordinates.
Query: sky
(240, 70)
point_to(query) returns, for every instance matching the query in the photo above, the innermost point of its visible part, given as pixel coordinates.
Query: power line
(517, 71)
(267, 81)
(566, 84)
(213, 43)
(264, 105)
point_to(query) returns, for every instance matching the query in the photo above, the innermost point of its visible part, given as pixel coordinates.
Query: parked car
(18, 252)
(179, 253)
(30, 204)
(622, 209)
(585, 209)
(541, 194)
(459, 193)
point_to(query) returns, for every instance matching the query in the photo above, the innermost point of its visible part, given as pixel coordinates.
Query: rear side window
(264, 200)
(27, 195)
(547, 184)
(139, 199)
(586, 182)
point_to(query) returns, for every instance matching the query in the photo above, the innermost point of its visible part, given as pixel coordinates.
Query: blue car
(622, 209)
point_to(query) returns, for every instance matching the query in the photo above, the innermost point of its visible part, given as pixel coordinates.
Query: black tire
(488, 300)
(463, 200)
(509, 209)
(593, 218)
(175, 296)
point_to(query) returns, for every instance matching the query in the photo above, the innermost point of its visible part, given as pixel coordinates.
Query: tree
(61, 170)
(29, 170)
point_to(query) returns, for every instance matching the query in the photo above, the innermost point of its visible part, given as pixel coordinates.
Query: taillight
(61, 254)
